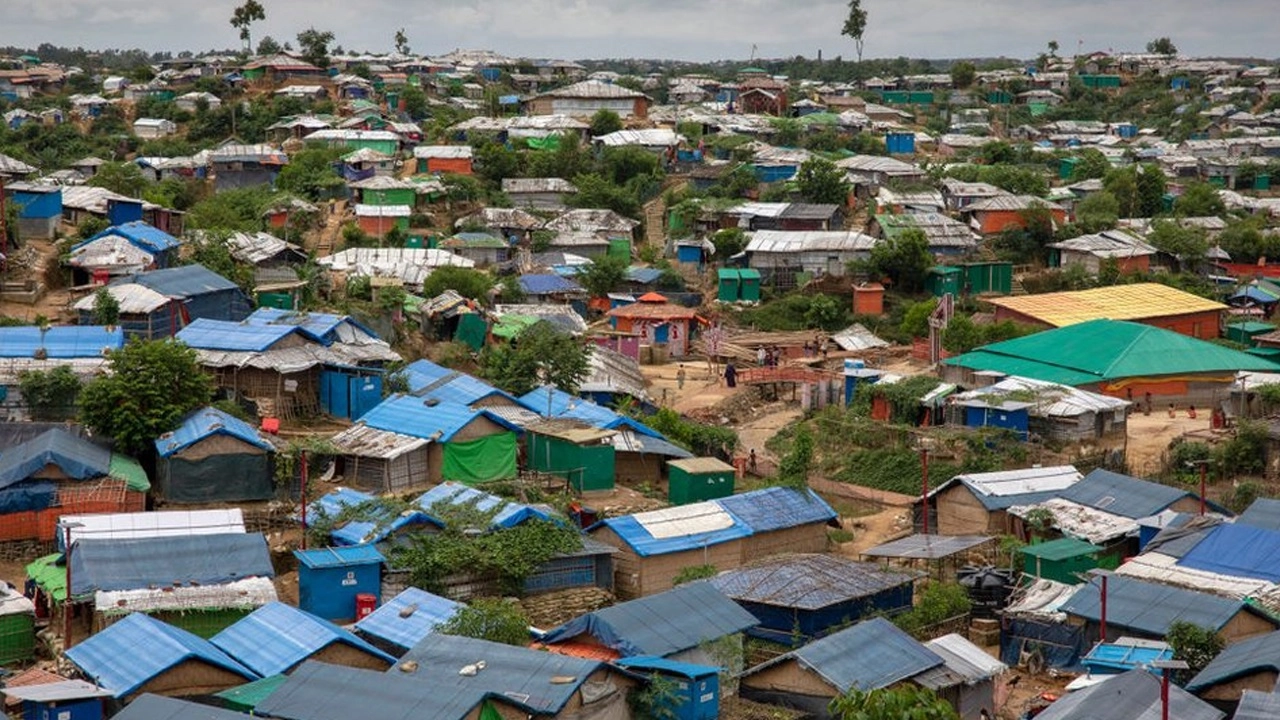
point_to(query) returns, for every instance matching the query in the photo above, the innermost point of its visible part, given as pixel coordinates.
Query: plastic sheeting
(156, 562)
(216, 478)
(478, 461)
(27, 496)
(1060, 644)
(1237, 550)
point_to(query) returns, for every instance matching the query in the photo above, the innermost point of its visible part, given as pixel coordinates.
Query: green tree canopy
(466, 282)
(855, 25)
(492, 619)
(539, 355)
(244, 16)
(604, 122)
(1199, 199)
(106, 309)
(1097, 212)
(315, 46)
(603, 275)
(1188, 244)
(123, 177)
(310, 173)
(50, 395)
(1162, 46)
(905, 702)
(820, 181)
(152, 385)
(963, 74)
(1091, 164)
(905, 259)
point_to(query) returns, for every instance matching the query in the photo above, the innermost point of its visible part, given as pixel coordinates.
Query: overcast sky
(678, 29)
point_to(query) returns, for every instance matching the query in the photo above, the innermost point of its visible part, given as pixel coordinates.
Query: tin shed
(573, 450)
(276, 638)
(1061, 560)
(696, 479)
(729, 285)
(329, 579)
(749, 289)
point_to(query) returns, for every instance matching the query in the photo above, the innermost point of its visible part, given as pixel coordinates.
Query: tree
(124, 178)
(603, 275)
(1199, 199)
(1162, 46)
(539, 355)
(1053, 48)
(467, 282)
(1122, 184)
(244, 16)
(855, 25)
(402, 42)
(963, 74)
(315, 46)
(1097, 212)
(1091, 164)
(152, 385)
(50, 395)
(414, 100)
(820, 181)
(604, 122)
(793, 470)
(1195, 645)
(1188, 244)
(905, 259)
(905, 702)
(106, 309)
(310, 173)
(1151, 189)
(268, 46)
(492, 619)
(729, 242)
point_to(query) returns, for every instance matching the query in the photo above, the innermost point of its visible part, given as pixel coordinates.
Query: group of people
(768, 356)
(817, 348)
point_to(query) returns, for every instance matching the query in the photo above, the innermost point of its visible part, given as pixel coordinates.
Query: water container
(366, 603)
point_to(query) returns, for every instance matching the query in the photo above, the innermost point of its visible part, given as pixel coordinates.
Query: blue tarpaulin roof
(206, 334)
(360, 531)
(649, 663)
(643, 276)
(339, 556)
(572, 407)
(1122, 495)
(276, 637)
(1245, 657)
(1150, 607)
(407, 618)
(547, 285)
(138, 648)
(519, 675)
(1237, 550)
(78, 458)
(632, 531)
(158, 707)
(182, 282)
(426, 419)
(777, 508)
(660, 625)
(137, 563)
(509, 514)
(140, 235)
(1262, 513)
(59, 341)
(204, 423)
(316, 691)
(1132, 694)
(808, 582)
(870, 655)
(429, 380)
(321, 327)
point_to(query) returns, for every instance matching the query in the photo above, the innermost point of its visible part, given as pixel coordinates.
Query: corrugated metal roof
(788, 241)
(183, 282)
(1116, 302)
(701, 465)
(205, 423)
(612, 372)
(411, 265)
(160, 523)
(1132, 694)
(500, 218)
(808, 582)
(430, 419)
(151, 562)
(14, 166)
(93, 199)
(276, 637)
(878, 164)
(59, 341)
(133, 299)
(664, 624)
(857, 337)
(318, 691)
(1047, 399)
(870, 655)
(594, 90)
(547, 285)
(1060, 549)
(537, 185)
(926, 547)
(133, 651)
(1010, 203)
(363, 210)
(1257, 705)
(343, 135)
(407, 618)
(55, 690)
(1262, 513)
(112, 252)
(1009, 487)
(777, 508)
(254, 248)
(1246, 657)
(206, 334)
(594, 221)
(1150, 607)
(966, 659)
(443, 152)
(651, 137)
(75, 456)
(1123, 495)
(339, 556)
(364, 441)
(158, 707)
(1097, 350)
(664, 666)
(630, 441)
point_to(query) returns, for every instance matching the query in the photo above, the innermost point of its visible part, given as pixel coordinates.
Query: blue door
(333, 388)
(661, 333)
(365, 392)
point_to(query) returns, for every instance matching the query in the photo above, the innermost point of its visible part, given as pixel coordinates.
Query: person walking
(761, 356)
(731, 375)
(680, 377)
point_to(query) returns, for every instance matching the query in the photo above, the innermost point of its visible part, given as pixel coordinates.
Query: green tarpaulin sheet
(509, 326)
(550, 142)
(472, 329)
(480, 461)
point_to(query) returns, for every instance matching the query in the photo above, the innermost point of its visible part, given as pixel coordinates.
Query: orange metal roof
(34, 676)
(653, 311)
(587, 651)
(1118, 302)
(652, 297)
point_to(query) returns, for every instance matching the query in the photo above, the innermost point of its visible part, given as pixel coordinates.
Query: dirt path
(1150, 435)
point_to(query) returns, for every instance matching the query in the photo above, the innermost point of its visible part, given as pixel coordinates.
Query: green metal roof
(727, 274)
(1252, 326)
(1100, 350)
(50, 576)
(945, 270)
(1060, 549)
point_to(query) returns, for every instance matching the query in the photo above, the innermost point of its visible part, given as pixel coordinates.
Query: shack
(978, 503)
(276, 638)
(798, 598)
(573, 450)
(1252, 664)
(1062, 560)
(214, 457)
(331, 581)
(403, 621)
(696, 479)
(176, 663)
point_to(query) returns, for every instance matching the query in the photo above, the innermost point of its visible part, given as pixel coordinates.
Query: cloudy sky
(684, 29)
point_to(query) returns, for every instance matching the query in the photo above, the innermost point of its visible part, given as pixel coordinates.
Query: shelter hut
(574, 450)
(1252, 664)
(214, 457)
(679, 624)
(162, 302)
(276, 638)
(1132, 694)
(1055, 412)
(968, 678)
(80, 348)
(158, 707)
(868, 656)
(1255, 705)
(405, 620)
(175, 663)
(17, 627)
(978, 503)
(797, 598)
(942, 555)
